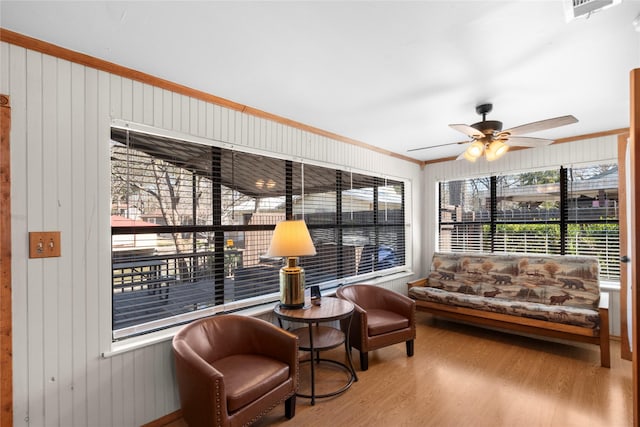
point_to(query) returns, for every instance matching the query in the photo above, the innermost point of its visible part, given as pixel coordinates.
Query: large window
(563, 211)
(191, 225)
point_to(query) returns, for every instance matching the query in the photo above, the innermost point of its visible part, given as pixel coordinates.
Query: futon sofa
(550, 295)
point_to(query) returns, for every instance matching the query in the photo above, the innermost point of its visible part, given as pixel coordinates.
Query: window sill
(134, 343)
(609, 286)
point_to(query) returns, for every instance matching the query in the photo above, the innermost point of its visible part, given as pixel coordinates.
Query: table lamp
(291, 239)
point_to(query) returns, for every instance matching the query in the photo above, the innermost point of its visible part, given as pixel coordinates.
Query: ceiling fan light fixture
(468, 156)
(495, 150)
(475, 149)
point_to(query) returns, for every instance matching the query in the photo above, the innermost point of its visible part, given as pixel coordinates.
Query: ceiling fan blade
(468, 130)
(541, 125)
(527, 141)
(436, 146)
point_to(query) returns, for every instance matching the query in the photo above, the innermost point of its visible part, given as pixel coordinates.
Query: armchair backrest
(365, 296)
(233, 334)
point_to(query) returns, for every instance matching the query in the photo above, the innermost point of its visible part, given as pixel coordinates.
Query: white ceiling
(387, 73)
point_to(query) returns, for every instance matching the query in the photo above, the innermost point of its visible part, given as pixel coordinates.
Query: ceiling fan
(489, 139)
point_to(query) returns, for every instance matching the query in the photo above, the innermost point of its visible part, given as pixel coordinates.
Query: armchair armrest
(356, 324)
(274, 342)
(400, 304)
(200, 384)
(196, 364)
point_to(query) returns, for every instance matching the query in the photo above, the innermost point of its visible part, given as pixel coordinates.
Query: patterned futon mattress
(554, 313)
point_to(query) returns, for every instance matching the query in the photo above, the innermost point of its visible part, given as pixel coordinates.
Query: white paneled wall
(61, 114)
(614, 312)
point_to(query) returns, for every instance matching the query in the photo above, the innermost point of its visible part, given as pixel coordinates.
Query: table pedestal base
(351, 379)
(315, 338)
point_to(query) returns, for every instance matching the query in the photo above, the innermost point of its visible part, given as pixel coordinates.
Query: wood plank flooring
(467, 376)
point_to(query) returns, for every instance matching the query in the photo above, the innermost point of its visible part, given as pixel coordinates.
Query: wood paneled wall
(61, 114)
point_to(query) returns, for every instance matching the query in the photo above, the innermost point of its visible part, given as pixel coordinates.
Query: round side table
(315, 338)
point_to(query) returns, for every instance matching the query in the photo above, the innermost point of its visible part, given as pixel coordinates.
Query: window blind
(192, 223)
(465, 215)
(561, 211)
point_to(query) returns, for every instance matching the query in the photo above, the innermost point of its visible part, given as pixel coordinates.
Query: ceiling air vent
(576, 8)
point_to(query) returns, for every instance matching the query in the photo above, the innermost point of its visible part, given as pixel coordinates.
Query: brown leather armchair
(231, 370)
(382, 317)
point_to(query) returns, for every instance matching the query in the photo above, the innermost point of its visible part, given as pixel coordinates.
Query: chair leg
(410, 348)
(290, 407)
(364, 360)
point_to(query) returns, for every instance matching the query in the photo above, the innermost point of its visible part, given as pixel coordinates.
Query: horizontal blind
(192, 225)
(593, 216)
(201, 199)
(465, 215)
(258, 186)
(528, 215)
(391, 224)
(315, 200)
(160, 268)
(359, 196)
(527, 238)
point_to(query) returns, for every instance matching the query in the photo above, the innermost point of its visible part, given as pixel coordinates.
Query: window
(564, 211)
(592, 216)
(527, 213)
(465, 215)
(191, 225)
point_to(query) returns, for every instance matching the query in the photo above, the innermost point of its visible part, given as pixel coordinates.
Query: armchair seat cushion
(247, 377)
(383, 321)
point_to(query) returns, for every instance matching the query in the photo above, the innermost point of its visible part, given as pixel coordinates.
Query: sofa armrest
(422, 282)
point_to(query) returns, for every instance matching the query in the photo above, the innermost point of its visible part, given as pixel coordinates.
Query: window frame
(254, 302)
(491, 226)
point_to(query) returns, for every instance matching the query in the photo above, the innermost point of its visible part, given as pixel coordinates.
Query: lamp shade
(291, 239)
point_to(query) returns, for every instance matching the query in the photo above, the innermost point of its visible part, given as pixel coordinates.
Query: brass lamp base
(292, 285)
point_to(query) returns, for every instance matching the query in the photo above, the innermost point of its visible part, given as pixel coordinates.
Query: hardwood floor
(466, 376)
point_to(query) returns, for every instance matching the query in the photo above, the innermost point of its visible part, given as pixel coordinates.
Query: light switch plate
(44, 244)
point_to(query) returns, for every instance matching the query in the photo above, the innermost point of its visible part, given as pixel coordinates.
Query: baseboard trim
(162, 421)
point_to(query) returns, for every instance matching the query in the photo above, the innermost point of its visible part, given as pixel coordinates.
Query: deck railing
(150, 287)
